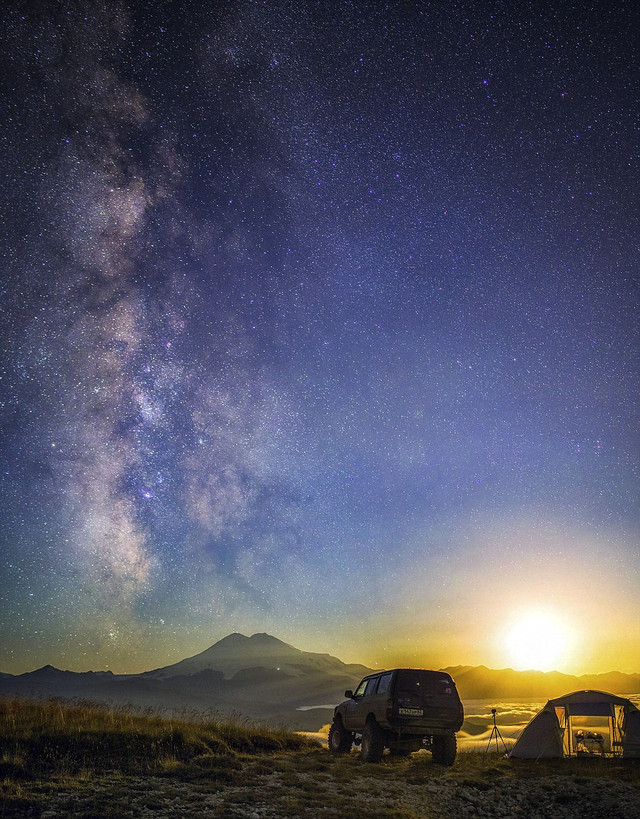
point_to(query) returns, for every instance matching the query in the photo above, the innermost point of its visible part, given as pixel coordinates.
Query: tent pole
(612, 731)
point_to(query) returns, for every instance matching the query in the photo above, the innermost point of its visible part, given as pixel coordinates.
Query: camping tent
(562, 728)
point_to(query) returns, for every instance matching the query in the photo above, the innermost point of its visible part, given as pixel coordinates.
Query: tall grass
(46, 737)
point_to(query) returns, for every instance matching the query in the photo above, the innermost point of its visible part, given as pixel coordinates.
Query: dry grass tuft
(46, 737)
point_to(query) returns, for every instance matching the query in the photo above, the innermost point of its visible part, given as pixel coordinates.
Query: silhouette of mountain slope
(479, 682)
(263, 677)
(236, 653)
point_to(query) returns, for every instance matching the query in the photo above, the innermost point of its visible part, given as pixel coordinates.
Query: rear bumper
(423, 727)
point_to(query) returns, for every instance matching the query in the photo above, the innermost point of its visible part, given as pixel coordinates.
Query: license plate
(410, 712)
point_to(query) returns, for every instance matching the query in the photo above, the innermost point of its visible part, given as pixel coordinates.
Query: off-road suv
(404, 709)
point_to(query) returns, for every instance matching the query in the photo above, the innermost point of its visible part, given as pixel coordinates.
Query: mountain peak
(233, 639)
(267, 639)
(259, 640)
(235, 652)
(46, 670)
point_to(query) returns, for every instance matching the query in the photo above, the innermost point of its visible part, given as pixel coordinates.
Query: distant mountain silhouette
(258, 676)
(264, 678)
(237, 653)
(479, 682)
(50, 672)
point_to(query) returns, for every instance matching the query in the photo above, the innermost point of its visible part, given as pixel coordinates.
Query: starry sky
(320, 319)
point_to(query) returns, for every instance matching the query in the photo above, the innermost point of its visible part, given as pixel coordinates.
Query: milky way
(317, 315)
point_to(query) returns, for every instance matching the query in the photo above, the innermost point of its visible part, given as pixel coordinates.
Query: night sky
(320, 319)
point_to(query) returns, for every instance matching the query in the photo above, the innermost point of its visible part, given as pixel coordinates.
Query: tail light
(389, 708)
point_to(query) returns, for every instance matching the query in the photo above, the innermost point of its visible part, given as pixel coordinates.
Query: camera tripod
(495, 734)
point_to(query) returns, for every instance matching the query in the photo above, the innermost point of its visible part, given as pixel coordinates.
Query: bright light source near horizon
(538, 640)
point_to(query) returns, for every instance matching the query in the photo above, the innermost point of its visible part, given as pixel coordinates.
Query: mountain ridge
(480, 682)
(265, 678)
(236, 652)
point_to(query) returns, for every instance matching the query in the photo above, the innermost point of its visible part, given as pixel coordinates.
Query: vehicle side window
(383, 683)
(371, 686)
(360, 689)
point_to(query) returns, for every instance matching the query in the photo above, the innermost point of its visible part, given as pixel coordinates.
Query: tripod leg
(495, 733)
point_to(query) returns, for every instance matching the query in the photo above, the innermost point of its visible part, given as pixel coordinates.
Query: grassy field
(87, 761)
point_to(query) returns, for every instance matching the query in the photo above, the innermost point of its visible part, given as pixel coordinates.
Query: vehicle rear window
(423, 682)
(383, 683)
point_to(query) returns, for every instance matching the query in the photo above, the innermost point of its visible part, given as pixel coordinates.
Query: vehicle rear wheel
(444, 749)
(340, 740)
(372, 742)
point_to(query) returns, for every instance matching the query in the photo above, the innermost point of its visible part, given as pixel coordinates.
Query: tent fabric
(631, 736)
(541, 739)
(548, 735)
(590, 709)
(588, 696)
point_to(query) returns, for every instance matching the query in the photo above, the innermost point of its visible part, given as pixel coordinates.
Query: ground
(314, 783)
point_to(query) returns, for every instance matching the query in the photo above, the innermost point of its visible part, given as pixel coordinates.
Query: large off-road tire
(340, 740)
(444, 749)
(372, 742)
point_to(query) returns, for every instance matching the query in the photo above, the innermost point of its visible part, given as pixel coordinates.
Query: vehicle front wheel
(444, 749)
(340, 740)
(372, 742)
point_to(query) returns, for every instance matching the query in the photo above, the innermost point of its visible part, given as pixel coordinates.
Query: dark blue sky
(319, 319)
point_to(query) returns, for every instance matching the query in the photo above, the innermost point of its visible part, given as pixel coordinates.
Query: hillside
(480, 682)
(237, 653)
(84, 761)
(258, 676)
(264, 678)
